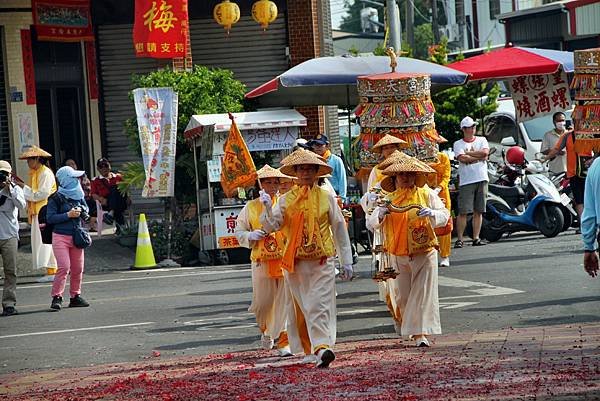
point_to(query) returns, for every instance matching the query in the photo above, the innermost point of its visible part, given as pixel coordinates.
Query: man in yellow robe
(315, 229)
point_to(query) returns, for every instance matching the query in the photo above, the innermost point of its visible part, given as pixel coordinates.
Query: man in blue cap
(320, 145)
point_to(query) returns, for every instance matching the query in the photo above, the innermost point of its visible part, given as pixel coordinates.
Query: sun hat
(68, 171)
(441, 139)
(34, 151)
(387, 140)
(5, 166)
(269, 172)
(300, 157)
(391, 159)
(408, 164)
(467, 122)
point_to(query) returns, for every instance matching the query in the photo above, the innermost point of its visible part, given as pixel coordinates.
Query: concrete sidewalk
(535, 363)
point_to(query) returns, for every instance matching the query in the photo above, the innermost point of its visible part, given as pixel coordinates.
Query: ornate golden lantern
(226, 13)
(264, 12)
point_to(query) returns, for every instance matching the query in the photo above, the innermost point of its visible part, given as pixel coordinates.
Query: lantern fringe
(587, 145)
(408, 109)
(586, 86)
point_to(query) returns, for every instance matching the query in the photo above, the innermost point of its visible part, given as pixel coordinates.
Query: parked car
(502, 131)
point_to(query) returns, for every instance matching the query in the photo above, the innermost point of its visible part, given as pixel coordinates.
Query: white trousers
(41, 254)
(270, 301)
(414, 293)
(312, 286)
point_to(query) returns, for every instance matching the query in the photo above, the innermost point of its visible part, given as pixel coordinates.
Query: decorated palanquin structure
(398, 104)
(586, 115)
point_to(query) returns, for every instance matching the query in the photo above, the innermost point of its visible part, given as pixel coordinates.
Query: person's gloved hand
(425, 212)
(265, 199)
(381, 212)
(257, 235)
(372, 197)
(437, 190)
(346, 272)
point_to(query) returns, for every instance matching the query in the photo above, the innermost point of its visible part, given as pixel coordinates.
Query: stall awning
(245, 121)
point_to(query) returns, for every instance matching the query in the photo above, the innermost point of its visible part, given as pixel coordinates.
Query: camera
(83, 214)
(3, 177)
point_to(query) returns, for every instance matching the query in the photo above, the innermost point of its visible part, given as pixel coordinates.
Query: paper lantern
(264, 12)
(226, 14)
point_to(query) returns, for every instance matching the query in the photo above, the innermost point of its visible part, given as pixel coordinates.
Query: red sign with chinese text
(539, 95)
(161, 28)
(28, 71)
(62, 20)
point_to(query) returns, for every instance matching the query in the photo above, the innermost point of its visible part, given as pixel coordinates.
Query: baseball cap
(101, 161)
(320, 139)
(5, 166)
(68, 171)
(467, 122)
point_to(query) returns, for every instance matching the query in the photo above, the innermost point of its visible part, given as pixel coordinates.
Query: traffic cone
(144, 256)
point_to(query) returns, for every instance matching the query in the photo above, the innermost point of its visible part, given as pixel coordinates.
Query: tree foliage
(451, 105)
(201, 91)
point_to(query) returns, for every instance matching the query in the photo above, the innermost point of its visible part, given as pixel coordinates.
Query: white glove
(346, 273)
(437, 190)
(372, 197)
(425, 212)
(381, 212)
(257, 235)
(265, 199)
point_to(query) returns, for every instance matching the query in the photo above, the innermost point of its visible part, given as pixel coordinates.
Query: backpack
(45, 228)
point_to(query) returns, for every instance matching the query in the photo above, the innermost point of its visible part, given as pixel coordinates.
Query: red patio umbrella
(513, 62)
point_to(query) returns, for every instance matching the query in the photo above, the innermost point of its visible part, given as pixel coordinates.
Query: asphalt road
(525, 280)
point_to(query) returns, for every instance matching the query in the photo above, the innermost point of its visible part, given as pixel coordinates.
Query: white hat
(5, 166)
(467, 122)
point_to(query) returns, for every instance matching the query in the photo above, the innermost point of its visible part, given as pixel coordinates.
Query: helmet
(515, 156)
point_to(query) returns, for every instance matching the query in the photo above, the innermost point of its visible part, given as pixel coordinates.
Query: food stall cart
(263, 131)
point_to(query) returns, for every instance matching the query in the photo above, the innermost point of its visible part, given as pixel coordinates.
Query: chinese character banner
(539, 95)
(160, 28)
(156, 110)
(62, 20)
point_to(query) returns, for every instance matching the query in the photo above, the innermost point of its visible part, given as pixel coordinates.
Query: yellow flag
(237, 168)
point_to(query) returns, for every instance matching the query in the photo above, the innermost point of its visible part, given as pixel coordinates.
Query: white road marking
(480, 289)
(456, 305)
(41, 333)
(151, 277)
(356, 311)
(210, 321)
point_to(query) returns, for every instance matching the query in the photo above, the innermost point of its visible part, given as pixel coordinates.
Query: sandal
(478, 242)
(458, 244)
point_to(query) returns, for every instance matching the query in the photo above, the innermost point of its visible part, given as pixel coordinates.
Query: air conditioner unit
(451, 32)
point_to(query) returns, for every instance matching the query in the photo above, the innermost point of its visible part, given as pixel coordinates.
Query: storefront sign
(161, 28)
(270, 138)
(225, 223)
(62, 20)
(539, 95)
(156, 110)
(213, 168)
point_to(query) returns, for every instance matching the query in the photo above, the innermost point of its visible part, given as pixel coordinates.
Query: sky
(337, 11)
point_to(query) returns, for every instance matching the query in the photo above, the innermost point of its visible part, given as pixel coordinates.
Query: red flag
(161, 28)
(237, 168)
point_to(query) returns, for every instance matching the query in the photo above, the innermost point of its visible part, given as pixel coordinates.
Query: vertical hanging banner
(62, 20)
(539, 95)
(28, 72)
(161, 28)
(156, 110)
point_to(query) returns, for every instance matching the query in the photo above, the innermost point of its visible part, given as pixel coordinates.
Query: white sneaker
(266, 341)
(285, 351)
(445, 262)
(326, 356)
(422, 342)
(312, 358)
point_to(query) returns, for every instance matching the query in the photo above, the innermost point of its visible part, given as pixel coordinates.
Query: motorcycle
(532, 204)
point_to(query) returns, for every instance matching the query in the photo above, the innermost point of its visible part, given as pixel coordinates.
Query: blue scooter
(542, 213)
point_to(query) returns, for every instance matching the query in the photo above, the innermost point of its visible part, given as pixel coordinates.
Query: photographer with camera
(11, 201)
(65, 211)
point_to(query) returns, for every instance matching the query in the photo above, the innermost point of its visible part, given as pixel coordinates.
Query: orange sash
(294, 241)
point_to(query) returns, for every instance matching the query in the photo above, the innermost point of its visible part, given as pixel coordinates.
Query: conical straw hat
(408, 165)
(397, 155)
(387, 140)
(441, 139)
(269, 172)
(34, 151)
(300, 157)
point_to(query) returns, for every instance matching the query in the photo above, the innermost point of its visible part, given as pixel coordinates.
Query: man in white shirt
(472, 153)
(558, 164)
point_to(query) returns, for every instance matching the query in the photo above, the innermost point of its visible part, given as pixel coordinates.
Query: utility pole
(434, 22)
(393, 17)
(410, 23)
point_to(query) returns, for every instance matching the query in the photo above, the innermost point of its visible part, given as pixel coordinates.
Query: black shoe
(108, 218)
(78, 302)
(326, 356)
(9, 311)
(478, 242)
(56, 303)
(458, 244)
